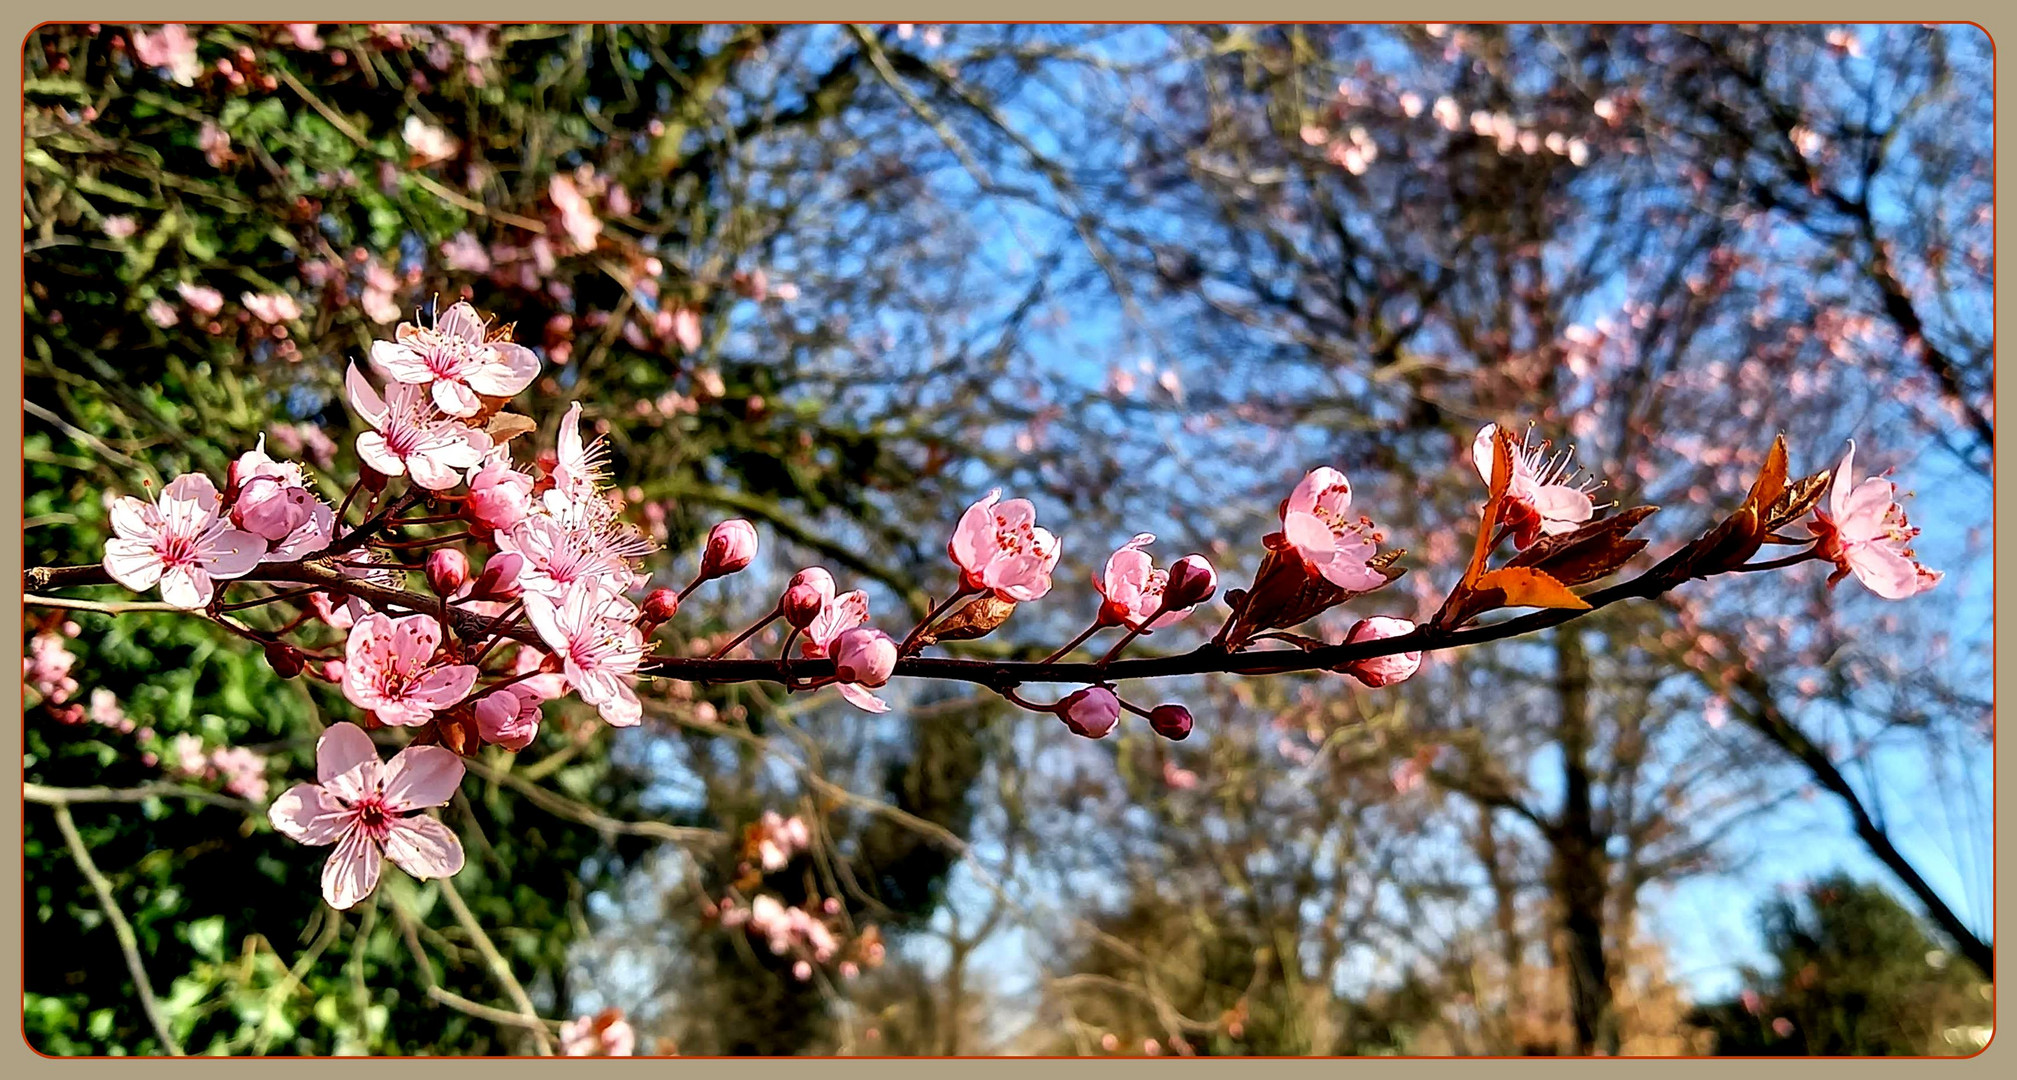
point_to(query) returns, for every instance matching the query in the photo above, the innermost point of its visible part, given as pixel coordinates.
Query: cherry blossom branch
(500, 968)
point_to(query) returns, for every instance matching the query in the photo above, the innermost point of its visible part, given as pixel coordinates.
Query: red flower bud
(1192, 582)
(447, 571)
(286, 659)
(807, 596)
(1172, 722)
(659, 608)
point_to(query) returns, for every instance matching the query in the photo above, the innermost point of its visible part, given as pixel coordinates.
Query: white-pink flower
(1133, 587)
(580, 469)
(837, 616)
(181, 542)
(999, 548)
(583, 546)
(271, 307)
(499, 495)
(599, 649)
(390, 669)
(1863, 531)
(1541, 498)
(1318, 526)
(607, 1034)
(576, 219)
(428, 143)
(368, 809)
(410, 436)
(203, 299)
(274, 503)
(171, 47)
(455, 361)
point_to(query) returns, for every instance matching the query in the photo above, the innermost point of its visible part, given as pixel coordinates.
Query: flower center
(373, 817)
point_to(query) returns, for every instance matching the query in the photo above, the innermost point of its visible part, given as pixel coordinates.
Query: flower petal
(185, 587)
(421, 776)
(133, 563)
(423, 847)
(862, 699)
(511, 369)
(233, 553)
(444, 686)
(352, 871)
(364, 399)
(399, 363)
(309, 814)
(373, 451)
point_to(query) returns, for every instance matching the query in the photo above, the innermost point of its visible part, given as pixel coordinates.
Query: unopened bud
(864, 656)
(1172, 722)
(1091, 712)
(731, 546)
(660, 606)
(1192, 582)
(807, 596)
(447, 570)
(499, 580)
(1381, 670)
(286, 659)
(332, 670)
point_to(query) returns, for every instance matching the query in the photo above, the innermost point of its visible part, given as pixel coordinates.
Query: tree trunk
(1581, 871)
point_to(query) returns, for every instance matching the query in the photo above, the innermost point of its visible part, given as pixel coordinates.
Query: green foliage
(1857, 974)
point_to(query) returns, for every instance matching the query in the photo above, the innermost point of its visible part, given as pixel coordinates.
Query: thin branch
(128, 944)
(499, 967)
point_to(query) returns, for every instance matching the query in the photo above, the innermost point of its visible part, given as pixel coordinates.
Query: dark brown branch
(995, 674)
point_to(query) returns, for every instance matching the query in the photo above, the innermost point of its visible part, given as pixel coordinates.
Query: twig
(53, 796)
(112, 607)
(128, 944)
(499, 967)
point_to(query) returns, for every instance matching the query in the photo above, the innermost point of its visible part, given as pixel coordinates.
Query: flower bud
(447, 571)
(270, 509)
(499, 496)
(1381, 670)
(499, 580)
(1091, 712)
(1172, 722)
(730, 547)
(1192, 582)
(864, 656)
(286, 659)
(660, 607)
(807, 596)
(332, 670)
(507, 719)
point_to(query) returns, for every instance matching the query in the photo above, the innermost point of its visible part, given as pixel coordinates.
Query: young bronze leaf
(1524, 586)
(1771, 482)
(1798, 498)
(1595, 550)
(500, 332)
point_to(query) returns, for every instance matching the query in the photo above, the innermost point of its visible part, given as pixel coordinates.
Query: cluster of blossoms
(811, 940)
(606, 1034)
(242, 771)
(46, 668)
(560, 606)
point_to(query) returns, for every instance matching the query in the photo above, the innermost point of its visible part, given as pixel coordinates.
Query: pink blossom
(180, 542)
(368, 810)
(499, 495)
(47, 668)
(376, 297)
(1863, 531)
(607, 1034)
(1382, 670)
(685, 328)
(275, 504)
(464, 253)
(1177, 778)
(171, 47)
(509, 717)
(840, 615)
(243, 771)
(120, 226)
(599, 649)
(305, 35)
(863, 658)
(1091, 712)
(215, 144)
(455, 359)
(999, 548)
(1133, 588)
(1539, 500)
(587, 544)
(271, 307)
(105, 710)
(1318, 526)
(201, 298)
(576, 219)
(389, 668)
(408, 435)
(161, 314)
